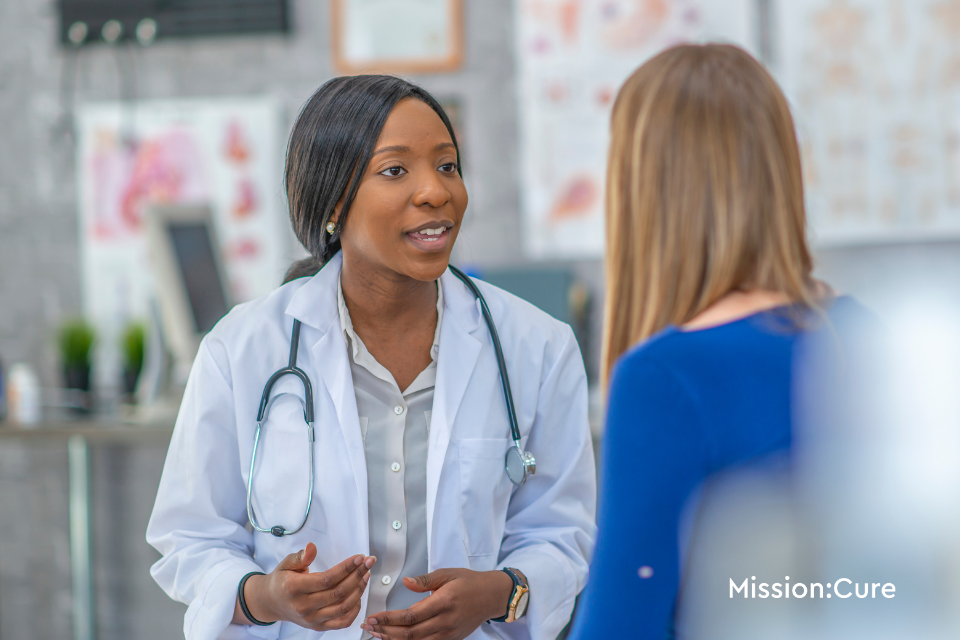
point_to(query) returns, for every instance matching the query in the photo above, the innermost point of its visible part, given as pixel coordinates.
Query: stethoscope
(518, 463)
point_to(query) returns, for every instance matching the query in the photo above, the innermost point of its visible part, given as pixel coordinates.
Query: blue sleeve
(654, 456)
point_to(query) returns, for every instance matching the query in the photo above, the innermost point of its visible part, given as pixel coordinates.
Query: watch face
(522, 605)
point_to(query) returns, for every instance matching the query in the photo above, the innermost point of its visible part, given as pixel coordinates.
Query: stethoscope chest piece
(519, 464)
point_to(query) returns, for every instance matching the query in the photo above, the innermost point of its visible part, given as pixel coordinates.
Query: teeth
(434, 232)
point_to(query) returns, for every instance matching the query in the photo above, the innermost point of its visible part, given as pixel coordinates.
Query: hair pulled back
(330, 146)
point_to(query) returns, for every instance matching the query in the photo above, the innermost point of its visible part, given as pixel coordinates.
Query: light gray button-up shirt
(395, 425)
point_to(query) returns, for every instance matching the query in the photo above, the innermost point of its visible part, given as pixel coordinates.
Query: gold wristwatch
(518, 597)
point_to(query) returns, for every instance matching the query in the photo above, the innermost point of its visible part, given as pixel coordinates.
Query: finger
(354, 583)
(299, 561)
(420, 611)
(339, 608)
(428, 582)
(354, 567)
(314, 608)
(339, 623)
(436, 627)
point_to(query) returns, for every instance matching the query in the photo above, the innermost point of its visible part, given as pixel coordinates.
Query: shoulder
(657, 356)
(653, 377)
(523, 325)
(650, 365)
(252, 322)
(651, 405)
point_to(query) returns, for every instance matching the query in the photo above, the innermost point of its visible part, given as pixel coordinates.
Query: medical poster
(875, 87)
(572, 57)
(226, 153)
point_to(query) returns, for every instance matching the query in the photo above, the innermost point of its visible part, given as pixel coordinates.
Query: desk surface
(96, 431)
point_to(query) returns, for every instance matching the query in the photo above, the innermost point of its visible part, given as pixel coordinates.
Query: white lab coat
(476, 519)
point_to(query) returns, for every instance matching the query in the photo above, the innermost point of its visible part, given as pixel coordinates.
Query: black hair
(330, 147)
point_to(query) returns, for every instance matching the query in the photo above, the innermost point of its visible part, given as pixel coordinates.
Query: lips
(429, 234)
(430, 238)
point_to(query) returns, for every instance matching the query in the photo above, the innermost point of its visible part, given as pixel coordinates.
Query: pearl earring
(331, 227)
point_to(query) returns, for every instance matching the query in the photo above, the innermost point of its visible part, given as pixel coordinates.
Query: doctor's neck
(386, 299)
(395, 315)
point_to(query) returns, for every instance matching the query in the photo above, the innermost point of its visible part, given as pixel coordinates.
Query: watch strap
(517, 582)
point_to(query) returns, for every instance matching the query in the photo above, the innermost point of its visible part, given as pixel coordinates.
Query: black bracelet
(243, 602)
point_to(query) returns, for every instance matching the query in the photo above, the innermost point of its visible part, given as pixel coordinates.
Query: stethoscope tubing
(294, 370)
(501, 361)
(279, 531)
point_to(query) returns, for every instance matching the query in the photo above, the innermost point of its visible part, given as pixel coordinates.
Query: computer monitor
(189, 277)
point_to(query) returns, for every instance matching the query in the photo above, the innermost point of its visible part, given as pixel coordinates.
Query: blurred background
(141, 156)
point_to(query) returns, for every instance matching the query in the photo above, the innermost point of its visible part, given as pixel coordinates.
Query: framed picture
(397, 36)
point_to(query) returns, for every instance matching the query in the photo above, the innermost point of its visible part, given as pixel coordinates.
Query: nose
(431, 191)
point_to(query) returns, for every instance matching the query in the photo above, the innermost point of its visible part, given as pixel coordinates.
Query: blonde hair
(704, 193)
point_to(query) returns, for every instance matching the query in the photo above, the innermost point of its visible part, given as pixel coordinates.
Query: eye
(450, 167)
(393, 172)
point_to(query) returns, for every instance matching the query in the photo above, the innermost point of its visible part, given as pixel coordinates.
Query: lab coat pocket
(484, 494)
(281, 479)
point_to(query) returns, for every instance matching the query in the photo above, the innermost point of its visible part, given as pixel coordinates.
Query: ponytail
(302, 269)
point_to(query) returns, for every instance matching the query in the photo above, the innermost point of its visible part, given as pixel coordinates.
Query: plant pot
(77, 377)
(130, 377)
(77, 382)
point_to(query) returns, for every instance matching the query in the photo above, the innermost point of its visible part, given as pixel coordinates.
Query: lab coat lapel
(330, 356)
(315, 305)
(459, 351)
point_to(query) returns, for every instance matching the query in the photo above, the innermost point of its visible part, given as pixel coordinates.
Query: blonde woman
(710, 288)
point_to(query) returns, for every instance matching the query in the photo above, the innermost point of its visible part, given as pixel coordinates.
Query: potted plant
(131, 345)
(76, 338)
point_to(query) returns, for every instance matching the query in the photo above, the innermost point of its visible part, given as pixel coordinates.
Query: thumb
(299, 561)
(428, 582)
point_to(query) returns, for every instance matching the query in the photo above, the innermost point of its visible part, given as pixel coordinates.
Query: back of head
(704, 192)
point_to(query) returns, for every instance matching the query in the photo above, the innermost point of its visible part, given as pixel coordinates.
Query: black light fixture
(90, 21)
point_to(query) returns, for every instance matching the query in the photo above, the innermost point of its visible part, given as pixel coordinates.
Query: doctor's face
(410, 204)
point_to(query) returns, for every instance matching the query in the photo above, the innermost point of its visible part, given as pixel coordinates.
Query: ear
(335, 216)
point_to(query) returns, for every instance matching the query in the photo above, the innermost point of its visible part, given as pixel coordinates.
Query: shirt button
(395, 467)
(396, 525)
(385, 579)
(398, 409)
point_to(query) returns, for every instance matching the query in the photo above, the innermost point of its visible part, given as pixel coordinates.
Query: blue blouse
(682, 406)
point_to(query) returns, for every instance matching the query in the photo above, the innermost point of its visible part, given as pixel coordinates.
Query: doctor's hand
(461, 601)
(317, 601)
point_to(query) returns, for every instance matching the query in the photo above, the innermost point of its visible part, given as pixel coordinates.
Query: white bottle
(23, 395)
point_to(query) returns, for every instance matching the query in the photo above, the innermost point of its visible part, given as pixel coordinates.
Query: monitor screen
(197, 264)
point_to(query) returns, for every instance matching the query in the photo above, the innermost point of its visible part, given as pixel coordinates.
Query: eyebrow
(402, 149)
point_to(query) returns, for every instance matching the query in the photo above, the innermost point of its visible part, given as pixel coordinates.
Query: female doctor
(344, 462)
